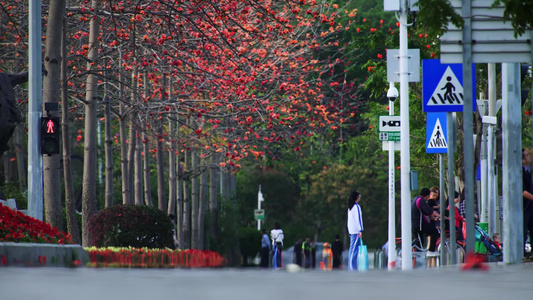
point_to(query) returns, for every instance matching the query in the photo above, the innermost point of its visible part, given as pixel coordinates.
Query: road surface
(500, 282)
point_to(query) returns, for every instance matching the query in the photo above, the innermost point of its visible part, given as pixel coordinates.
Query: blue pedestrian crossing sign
(436, 133)
(442, 86)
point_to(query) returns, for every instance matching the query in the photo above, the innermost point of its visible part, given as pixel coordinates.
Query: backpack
(422, 215)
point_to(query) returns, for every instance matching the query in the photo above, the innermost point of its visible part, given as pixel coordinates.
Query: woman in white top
(277, 244)
(355, 228)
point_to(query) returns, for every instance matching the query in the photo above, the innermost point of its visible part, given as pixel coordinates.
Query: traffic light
(50, 135)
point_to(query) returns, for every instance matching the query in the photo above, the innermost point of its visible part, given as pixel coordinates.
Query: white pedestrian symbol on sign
(449, 91)
(437, 140)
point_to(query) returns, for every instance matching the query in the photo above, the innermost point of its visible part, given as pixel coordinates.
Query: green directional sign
(259, 214)
(389, 136)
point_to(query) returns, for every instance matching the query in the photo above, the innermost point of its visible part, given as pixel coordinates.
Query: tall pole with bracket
(392, 94)
(405, 165)
(259, 200)
(402, 7)
(35, 160)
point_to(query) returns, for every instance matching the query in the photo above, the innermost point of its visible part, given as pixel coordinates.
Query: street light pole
(391, 253)
(259, 200)
(35, 160)
(405, 165)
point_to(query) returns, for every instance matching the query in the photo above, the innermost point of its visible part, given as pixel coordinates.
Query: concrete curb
(50, 255)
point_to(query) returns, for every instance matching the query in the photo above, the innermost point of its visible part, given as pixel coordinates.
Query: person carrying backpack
(421, 216)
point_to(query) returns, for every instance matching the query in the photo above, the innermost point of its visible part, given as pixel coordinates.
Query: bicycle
(419, 254)
(460, 252)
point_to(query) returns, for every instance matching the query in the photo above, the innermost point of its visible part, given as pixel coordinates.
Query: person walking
(355, 228)
(313, 255)
(336, 249)
(458, 218)
(265, 249)
(306, 253)
(527, 194)
(327, 258)
(297, 253)
(277, 245)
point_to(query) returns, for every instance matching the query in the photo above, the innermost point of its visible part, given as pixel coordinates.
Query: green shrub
(12, 190)
(250, 242)
(131, 226)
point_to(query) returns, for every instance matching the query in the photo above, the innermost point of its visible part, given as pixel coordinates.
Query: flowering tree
(242, 76)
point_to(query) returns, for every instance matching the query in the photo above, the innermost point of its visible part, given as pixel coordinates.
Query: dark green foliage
(12, 190)
(519, 12)
(250, 242)
(279, 191)
(131, 226)
(434, 16)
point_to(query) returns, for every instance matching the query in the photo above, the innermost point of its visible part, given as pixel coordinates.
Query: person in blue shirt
(265, 248)
(355, 228)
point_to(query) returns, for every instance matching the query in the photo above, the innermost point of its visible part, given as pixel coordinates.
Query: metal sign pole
(511, 162)
(35, 160)
(442, 209)
(391, 253)
(467, 125)
(259, 200)
(407, 251)
(451, 182)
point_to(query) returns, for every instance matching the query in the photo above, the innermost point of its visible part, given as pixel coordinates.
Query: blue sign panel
(442, 86)
(436, 133)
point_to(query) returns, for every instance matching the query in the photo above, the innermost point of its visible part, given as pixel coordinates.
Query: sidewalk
(33, 254)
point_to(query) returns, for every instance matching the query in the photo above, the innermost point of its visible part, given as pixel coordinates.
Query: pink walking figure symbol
(50, 126)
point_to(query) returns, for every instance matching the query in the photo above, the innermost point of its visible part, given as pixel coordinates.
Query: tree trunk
(160, 161)
(70, 202)
(89, 204)
(126, 178)
(146, 147)
(108, 148)
(5, 164)
(131, 159)
(179, 196)
(19, 155)
(51, 93)
(138, 170)
(204, 189)
(194, 200)
(213, 195)
(147, 194)
(171, 170)
(186, 205)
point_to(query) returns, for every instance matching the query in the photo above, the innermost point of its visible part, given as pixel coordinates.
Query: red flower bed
(19, 228)
(153, 258)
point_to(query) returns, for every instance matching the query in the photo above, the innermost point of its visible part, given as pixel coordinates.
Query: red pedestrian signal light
(50, 135)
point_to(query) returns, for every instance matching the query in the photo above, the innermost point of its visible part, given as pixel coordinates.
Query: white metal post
(391, 253)
(259, 200)
(405, 165)
(484, 177)
(35, 160)
(512, 165)
(495, 225)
